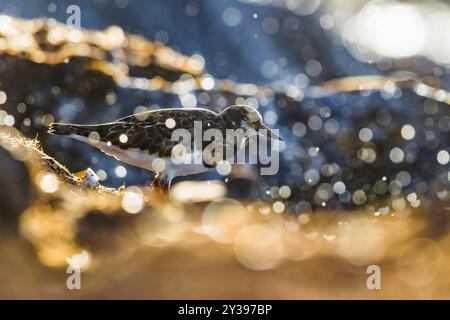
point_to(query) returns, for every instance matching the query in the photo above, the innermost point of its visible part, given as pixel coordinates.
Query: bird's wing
(149, 116)
(147, 131)
(150, 137)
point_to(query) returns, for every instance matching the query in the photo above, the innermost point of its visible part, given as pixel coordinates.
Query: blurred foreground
(213, 247)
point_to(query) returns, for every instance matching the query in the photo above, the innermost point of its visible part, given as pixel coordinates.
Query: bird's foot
(156, 182)
(161, 185)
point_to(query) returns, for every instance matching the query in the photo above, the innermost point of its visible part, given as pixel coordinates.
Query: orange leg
(156, 183)
(161, 184)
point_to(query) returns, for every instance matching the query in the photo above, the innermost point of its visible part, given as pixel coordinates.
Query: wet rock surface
(376, 145)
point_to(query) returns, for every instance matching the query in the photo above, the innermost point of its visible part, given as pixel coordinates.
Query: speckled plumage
(145, 131)
(148, 133)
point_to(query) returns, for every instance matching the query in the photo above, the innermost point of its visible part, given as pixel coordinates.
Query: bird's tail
(68, 129)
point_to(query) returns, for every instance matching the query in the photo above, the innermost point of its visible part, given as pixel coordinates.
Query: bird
(145, 139)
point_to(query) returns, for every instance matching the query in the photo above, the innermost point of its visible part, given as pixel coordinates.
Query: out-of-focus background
(358, 90)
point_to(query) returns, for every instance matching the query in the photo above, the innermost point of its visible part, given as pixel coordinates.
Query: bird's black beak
(268, 132)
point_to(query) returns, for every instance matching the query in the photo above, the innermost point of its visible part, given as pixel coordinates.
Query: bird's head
(245, 117)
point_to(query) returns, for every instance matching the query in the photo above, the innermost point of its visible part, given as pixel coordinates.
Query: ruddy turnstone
(145, 139)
